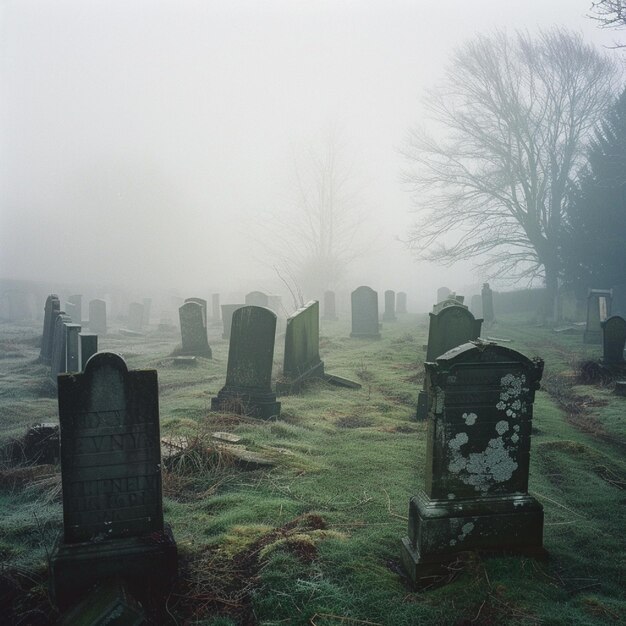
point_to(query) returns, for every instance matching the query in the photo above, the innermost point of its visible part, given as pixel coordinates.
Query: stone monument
(442, 293)
(135, 317)
(389, 314)
(487, 301)
(613, 340)
(365, 313)
(401, 303)
(98, 317)
(598, 310)
(51, 309)
(257, 298)
(193, 330)
(227, 318)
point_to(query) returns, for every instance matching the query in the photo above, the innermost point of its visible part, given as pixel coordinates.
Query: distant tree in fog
(609, 14)
(593, 250)
(513, 115)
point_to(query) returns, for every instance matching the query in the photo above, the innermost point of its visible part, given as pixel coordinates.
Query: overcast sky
(143, 140)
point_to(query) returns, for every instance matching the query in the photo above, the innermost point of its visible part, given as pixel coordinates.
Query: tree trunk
(551, 311)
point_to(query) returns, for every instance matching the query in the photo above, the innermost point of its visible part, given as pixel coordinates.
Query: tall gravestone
(248, 388)
(613, 340)
(98, 317)
(72, 347)
(87, 347)
(135, 316)
(401, 303)
(51, 310)
(475, 495)
(204, 304)
(111, 478)
(77, 301)
(389, 315)
(227, 318)
(193, 330)
(365, 313)
(215, 307)
(302, 355)
(330, 307)
(442, 293)
(476, 305)
(598, 310)
(451, 300)
(257, 298)
(451, 326)
(486, 294)
(71, 311)
(58, 359)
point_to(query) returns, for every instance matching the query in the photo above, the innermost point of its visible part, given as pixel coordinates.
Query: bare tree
(514, 113)
(610, 14)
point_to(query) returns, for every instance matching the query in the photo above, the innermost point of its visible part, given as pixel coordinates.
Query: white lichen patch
(501, 427)
(514, 437)
(451, 496)
(512, 389)
(470, 418)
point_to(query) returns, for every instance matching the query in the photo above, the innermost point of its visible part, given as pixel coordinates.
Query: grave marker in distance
(598, 310)
(51, 309)
(365, 313)
(193, 330)
(389, 314)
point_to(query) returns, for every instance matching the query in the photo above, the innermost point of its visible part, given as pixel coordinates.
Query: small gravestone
(598, 310)
(257, 298)
(442, 294)
(476, 305)
(451, 326)
(58, 360)
(389, 314)
(135, 317)
(147, 308)
(193, 330)
(227, 318)
(215, 307)
(204, 304)
(451, 300)
(365, 313)
(487, 301)
(248, 388)
(87, 347)
(613, 340)
(111, 479)
(98, 317)
(51, 310)
(475, 495)
(72, 347)
(330, 308)
(401, 303)
(302, 355)
(72, 311)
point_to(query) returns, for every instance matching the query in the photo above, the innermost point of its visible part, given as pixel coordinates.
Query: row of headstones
(480, 304)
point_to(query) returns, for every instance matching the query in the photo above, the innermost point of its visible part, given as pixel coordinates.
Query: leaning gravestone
(442, 294)
(111, 479)
(227, 318)
(401, 303)
(257, 298)
(451, 326)
(51, 310)
(98, 317)
(193, 330)
(302, 355)
(598, 310)
(389, 314)
(486, 294)
(475, 495)
(365, 314)
(248, 388)
(330, 308)
(135, 316)
(613, 340)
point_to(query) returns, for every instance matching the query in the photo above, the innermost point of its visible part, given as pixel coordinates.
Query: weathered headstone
(98, 317)
(227, 317)
(77, 301)
(72, 347)
(215, 307)
(389, 315)
(475, 495)
(111, 479)
(442, 293)
(365, 313)
(193, 330)
(275, 303)
(87, 347)
(330, 309)
(204, 304)
(248, 387)
(147, 307)
(58, 359)
(613, 340)
(451, 300)
(135, 317)
(302, 355)
(51, 310)
(71, 310)
(401, 303)
(257, 298)
(487, 301)
(598, 310)
(476, 305)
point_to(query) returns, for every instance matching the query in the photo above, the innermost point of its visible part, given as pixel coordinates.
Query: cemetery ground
(299, 520)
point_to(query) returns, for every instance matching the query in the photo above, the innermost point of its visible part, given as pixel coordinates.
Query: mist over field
(157, 143)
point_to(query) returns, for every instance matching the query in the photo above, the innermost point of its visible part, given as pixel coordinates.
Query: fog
(146, 143)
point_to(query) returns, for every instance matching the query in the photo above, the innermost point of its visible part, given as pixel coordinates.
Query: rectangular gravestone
(111, 478)
(227, 317)
(486, 294)
(193, 330)
(77, 301)
(302, 356)
(330, 309)
(204, 304)
(598, 310)
(51, 310)
(87, 347)
(98, 317)
(248, 388)
(257, 298)
(475, 495)
(365, 313)
(442, 294)
(401, 303)
(476, 305)
(215, 307)
(135, 317)
(72, 311)
(72, 347)
(613, 340)
(389, 315)
(58, 360)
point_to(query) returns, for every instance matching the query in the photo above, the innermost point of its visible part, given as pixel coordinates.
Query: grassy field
(313, 536)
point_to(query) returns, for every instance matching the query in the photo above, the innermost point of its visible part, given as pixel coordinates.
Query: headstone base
(293, 385)
(146, 563)
(592, 336)
(260, 404)
(440, 530)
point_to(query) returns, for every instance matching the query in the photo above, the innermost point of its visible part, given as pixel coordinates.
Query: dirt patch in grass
(353, 421)
(19, 477)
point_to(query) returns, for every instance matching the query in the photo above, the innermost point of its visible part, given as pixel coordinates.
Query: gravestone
(442, 293)
(147, 307)
(87, 347)
(401, 303)
(72, 347)
(77, 301)
(330, 308)
(111, 479)
(51, 310)
(275, 303)
(248, 388)
(227, 318)
(365, 313)
(302, 355)
(451, 300)
(475, 495)
(613, 340)
(72, 311)
(257, 298)
(193, 330)
(135, 317)
(204, 304)
(58, 360)
(215, 307)
(598, 310)
(389, 314)
(98, 317)
(476, 305)
(487, 301)
(451, 326)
